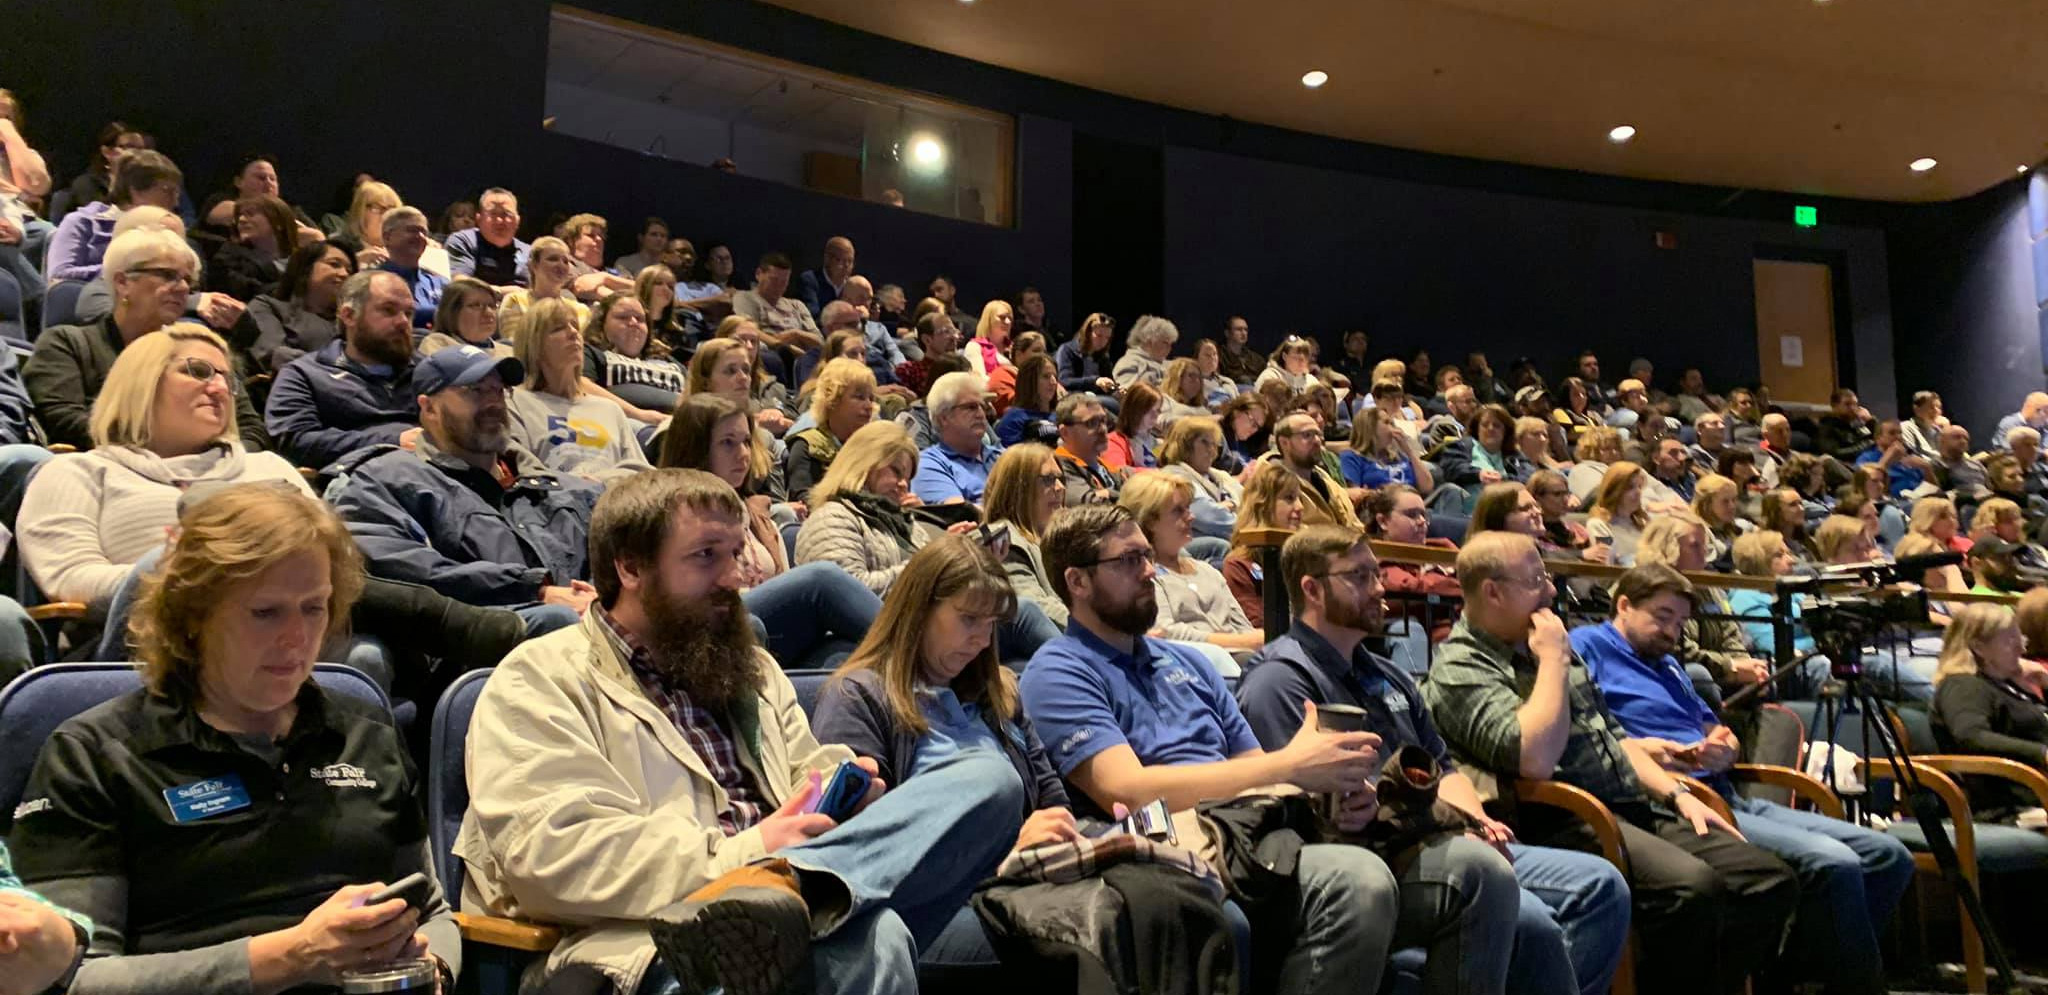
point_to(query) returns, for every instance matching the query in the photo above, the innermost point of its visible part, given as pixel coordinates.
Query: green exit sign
(1806, 217)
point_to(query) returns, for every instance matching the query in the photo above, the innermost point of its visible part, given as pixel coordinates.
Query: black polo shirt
(1303, 665)
(213, 842)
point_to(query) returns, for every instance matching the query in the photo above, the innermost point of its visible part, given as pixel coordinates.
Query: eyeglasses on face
(1129, 562)
(204, 371)
(165, 273)
(1360, 577)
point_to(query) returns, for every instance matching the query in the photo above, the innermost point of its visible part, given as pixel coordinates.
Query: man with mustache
(1573, 907)
(357, 390)
(1130, 719)
(643, 779)
(467, 511)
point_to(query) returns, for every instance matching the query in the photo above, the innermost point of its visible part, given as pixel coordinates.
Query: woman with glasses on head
(1084, 361)
(1598, 449)
(151, 272)
(297, 316)
(164, 422)
(1293, 364)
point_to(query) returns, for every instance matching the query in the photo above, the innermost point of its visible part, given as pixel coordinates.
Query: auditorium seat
(33, 705)
(60, 305)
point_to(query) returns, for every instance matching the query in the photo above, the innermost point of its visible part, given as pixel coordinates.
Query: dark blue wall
(1133, 206)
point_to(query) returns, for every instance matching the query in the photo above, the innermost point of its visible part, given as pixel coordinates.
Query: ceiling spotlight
(1314, 78)
(1922, 164)
(927, 153)
(1621, 133)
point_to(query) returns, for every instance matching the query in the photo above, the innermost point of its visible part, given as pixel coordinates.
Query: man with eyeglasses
(1298, 446)
(492, 251)
(1512, 699)
(1572, 918)
(1851, 878)
(467, 511)
(1084, 432)
(405, 241)
(1130, 719)
(956, 468)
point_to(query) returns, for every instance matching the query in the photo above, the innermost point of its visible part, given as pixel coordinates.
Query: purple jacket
(80, 242)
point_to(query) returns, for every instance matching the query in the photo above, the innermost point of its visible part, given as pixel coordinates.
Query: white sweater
(87, 517)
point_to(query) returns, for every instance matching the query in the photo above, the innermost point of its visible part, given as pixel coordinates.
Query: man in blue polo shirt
(1850, 878)
(1130, 719)
(956, 467)
(1574, 907)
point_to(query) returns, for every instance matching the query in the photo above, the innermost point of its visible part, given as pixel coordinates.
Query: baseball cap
(1528, 395)
(460, 366)
(1994, 546)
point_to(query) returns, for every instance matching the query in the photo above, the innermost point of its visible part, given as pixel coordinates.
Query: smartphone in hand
(842, 792)
(414, 888)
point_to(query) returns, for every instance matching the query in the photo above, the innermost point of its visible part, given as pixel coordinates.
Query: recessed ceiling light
(1922, 164)
(1314, 78)
(1621, 133)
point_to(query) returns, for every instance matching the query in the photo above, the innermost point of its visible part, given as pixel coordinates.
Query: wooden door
(1795, 329)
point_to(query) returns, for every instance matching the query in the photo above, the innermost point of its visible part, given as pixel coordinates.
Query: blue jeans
(18, 463)
(1349, 904)
(1850, 881)
(113, 647)
(964, 943)
(21, 643)
(24, 260)
(1460, 902)
(543, 619)
(811, 613)
(906, 866)
(1581, 898)
(894, 879)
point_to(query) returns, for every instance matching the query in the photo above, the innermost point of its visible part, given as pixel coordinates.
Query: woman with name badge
(231, 825)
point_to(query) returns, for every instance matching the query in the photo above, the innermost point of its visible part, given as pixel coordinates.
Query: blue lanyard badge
(208, 798)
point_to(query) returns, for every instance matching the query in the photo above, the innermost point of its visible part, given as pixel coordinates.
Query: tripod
(1846, 691)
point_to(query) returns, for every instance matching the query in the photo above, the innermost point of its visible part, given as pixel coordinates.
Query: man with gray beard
(466, 511)
(646, 779)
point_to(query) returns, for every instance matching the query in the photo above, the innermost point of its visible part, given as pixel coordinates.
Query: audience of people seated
(477, 414)
(1983, 704)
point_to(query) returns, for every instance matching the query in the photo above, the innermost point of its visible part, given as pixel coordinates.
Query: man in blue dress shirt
(1850, 878)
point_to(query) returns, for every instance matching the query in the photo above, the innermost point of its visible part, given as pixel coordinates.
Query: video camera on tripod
(1842, 625)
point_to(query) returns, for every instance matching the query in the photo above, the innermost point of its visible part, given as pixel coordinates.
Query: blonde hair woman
(1186, 397)
(1195, 603)
(552, 416)
(1935, 519)
(550, 269)
(842, 403)
(770, 397)
(1717, 501)
(726, 367)
(1190, 452)
(857, 519)
(1617, 517)
(1764, 554)
(364, 224)
(255, 582)
(1983, 706)
(164, 422)
(990, 347)
(1997, 518)
(1598, 448)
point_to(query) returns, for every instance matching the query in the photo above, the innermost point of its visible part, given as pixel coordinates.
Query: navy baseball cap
(460, 366)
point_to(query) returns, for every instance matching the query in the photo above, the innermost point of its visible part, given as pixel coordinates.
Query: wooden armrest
(60, 448)
(57, 611)
(1962, 829)
(1701, 791)
(510, 933)
(1581, 804)
(2011, 770)
(1263, 538)
(1801, 786)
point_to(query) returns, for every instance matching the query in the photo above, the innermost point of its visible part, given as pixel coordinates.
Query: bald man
(821, 286)
(2033, 413)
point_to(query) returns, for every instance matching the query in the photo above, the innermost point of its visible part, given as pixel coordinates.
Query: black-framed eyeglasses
(1129, 562)
(1048, 480)
(1359, 577)
(1099, 421)
(164, 273)
(204, 371)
